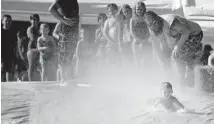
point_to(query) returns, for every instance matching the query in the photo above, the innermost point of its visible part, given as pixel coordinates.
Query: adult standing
(187, 49)
(66, 32)
(8, 56)
(33, 55)
(162, 42)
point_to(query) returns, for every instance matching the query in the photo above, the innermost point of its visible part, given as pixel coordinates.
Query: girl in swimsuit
(111, 30)
(142, 48)
(100, 40)
(125, 35)
(47, 48)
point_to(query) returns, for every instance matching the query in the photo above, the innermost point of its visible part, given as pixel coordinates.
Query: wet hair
(113, 5)
(126, 6)
(21, 34)
(44, 25)
(7, 16)
(102, 16)
(157, 25)
(167, 85)
(141, 3)
(33, 16)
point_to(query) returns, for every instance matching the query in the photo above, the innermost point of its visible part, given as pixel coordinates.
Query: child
(141, 47)
(171, 103)
(167, 100)
(84, 55)
(126, 37)
(32, 54)
(47, 48)
(22, 55)
(111, 30)
(99, 38)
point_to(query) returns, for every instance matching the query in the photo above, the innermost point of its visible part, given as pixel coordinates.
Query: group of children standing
(125, 36)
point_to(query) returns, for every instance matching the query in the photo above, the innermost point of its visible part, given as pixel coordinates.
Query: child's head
(166, 89)
(44, 29)
(6, 21)
(127, 11)
(112, 9)
(21, 34)
(139, 8)
(101, 18)
(34, 19)
(154, 22)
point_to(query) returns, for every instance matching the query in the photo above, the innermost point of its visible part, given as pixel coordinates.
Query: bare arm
(97, 35)
(78, 48)
(185, 32)
(56, 32)
(106, 34)
(53, 9)
(176, 102)
(30, 36)
(20, 49)
(40, 49)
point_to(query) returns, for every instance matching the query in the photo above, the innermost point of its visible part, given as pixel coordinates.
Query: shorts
(7, 65)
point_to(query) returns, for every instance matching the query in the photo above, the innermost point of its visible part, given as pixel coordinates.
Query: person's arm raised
(55, 33)
(53, 9)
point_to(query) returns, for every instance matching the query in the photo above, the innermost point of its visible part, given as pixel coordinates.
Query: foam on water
(118, 100)
(110, 97)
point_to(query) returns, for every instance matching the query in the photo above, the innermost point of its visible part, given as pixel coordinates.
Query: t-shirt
(70, 8)
(8, 44)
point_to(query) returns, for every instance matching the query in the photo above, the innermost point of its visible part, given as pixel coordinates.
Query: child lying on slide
(171, 103)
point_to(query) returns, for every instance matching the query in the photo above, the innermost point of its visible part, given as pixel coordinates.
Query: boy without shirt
(111, 30)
